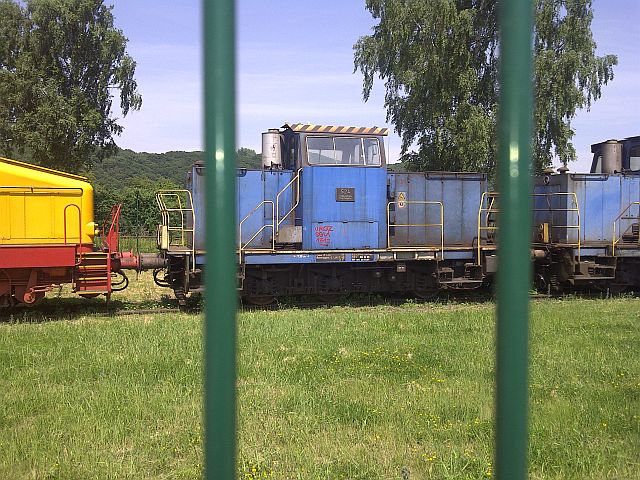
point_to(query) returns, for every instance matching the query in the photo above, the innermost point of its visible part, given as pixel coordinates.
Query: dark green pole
(220, 270)
(514, 265)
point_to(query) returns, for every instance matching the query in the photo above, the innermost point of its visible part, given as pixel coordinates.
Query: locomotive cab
(330, 195)
(342, 185)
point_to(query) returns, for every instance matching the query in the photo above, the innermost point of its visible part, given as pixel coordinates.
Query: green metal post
(514, 264)
(220, 271)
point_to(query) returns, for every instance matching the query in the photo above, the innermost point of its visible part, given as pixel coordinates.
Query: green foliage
(132, 179)
(248, 158)
(140, 214)
(439, 62)
(569, 75)
(60, 62)
(119, 169)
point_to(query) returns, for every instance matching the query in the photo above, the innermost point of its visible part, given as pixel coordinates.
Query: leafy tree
(132, 179)
(60, 62)
(439, 62)
(248, 158)
(140, 214)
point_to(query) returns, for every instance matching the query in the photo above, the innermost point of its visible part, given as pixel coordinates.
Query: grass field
(342, 392)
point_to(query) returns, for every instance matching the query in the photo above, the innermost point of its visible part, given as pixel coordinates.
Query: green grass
(342, 392)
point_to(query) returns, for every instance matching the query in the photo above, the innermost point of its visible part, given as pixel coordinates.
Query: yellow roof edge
(314, 128)
(43, 169)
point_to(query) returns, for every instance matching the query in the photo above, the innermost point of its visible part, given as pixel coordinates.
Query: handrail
(426, 225)
(279, 220)
(113, 234)
(166, 217)
(272, 226)
(548, 196)
(614, 240)
(491, 196)
(64, 219)
(165, 212)
(30, 189)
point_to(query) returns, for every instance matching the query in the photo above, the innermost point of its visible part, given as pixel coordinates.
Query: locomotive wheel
(259, 300)
(33, 299)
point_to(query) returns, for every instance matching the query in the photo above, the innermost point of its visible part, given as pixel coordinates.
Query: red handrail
(113, 234)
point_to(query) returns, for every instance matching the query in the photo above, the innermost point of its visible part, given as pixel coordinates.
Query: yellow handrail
(490, 197)
(576, 209)
(614, 240)
(241, 247)
(426, 225)
(279, 220)
(165, 212)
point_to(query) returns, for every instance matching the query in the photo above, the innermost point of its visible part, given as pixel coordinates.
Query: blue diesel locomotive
(325, 217)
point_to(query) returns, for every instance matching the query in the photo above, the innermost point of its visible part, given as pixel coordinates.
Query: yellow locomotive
(47, 232)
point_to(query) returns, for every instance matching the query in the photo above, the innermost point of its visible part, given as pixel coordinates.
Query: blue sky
(295, 64)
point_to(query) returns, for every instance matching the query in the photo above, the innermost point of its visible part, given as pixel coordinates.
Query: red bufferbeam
(31, 256)
(28, 271)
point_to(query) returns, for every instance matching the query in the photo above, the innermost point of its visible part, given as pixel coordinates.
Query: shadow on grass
(55, 308)
(443, 297)
(70, 308)
(371, 300)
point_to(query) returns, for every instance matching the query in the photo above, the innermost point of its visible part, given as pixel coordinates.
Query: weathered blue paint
(344, 257)
(460, 195)
(601, 198)
(196, 185)
(287, 258)
(358, 217)
(342, 235)
(253, 187)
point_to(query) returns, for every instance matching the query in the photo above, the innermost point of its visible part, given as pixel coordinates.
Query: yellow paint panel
(43, 205)
(5, 226)
(16, 216)
(38, 207)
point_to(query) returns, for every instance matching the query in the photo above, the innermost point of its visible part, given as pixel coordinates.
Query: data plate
(330, 257)
(362, 257)
(345, 194)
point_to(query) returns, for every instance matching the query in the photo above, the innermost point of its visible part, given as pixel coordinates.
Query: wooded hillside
(132, 179)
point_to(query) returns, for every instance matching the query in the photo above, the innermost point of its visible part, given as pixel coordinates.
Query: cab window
(343, 151)
(320, 151)
(372, 151)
